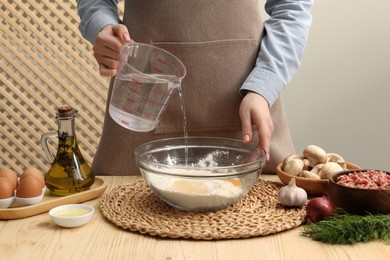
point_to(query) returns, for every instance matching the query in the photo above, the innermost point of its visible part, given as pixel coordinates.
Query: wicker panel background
(45, 63)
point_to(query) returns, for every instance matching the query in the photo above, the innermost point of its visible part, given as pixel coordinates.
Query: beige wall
(339, 99)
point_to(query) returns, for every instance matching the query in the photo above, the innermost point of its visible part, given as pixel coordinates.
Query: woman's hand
(254, 110)
(107, 48)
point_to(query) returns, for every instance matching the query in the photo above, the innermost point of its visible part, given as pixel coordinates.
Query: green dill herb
(350, 229)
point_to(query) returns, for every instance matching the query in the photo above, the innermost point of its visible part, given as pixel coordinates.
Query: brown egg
(10, 175)
(6, 188)
(32, 171)
(29, 187)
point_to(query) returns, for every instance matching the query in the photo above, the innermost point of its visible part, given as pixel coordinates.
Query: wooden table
(37, 237)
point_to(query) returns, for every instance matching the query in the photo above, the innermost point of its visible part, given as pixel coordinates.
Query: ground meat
(371, 179)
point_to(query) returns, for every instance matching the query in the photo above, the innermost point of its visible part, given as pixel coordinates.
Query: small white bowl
(5, 203)
(71, 215)
(28, 201)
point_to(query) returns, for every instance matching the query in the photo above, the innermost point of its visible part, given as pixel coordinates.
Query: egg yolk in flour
(198, 187)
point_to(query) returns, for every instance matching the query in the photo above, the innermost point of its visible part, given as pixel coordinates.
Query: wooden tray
(50, 201)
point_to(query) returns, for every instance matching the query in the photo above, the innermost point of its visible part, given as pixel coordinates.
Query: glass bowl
(200, 173)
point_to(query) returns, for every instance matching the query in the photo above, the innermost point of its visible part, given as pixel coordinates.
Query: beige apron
(218, 42)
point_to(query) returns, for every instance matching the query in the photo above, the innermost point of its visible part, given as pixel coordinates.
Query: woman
(236, 66)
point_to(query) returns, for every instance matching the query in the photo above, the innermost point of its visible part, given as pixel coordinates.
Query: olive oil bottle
(69, 172)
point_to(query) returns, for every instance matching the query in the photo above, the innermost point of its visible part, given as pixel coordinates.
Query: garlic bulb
(291, 195)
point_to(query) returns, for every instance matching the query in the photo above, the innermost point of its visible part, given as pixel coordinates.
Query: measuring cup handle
(45, 146)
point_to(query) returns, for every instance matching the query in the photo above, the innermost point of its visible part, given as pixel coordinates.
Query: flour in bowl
(195, 195)
(208, 161)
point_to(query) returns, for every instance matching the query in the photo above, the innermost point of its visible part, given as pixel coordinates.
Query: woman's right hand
(254, 110)
(107, 48)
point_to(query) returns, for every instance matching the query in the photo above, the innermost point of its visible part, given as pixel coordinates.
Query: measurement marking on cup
(131, 101)
(133, 90)
(162, 61)
(152, 102)
(125, 122)
(128, 110)
(136, 81)
(157, 69)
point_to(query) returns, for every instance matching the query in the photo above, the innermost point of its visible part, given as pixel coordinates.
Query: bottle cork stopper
(66, 111)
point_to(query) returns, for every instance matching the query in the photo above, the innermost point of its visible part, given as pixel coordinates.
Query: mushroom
(293, 166)
(306, 163)
(317, 168)
(315, 163)
(314, 154)
(329, 168)
(334, 157)
(290, 157)
(309, 174)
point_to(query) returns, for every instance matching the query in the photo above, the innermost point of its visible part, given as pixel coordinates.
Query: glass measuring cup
(146, 77)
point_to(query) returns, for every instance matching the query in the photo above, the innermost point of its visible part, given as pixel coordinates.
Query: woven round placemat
(135, 207)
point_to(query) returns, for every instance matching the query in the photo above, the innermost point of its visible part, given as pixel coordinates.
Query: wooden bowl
(311, 186)
(357, 200)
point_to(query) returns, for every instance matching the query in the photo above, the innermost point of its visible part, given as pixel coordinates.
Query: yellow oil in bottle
(69, 172)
